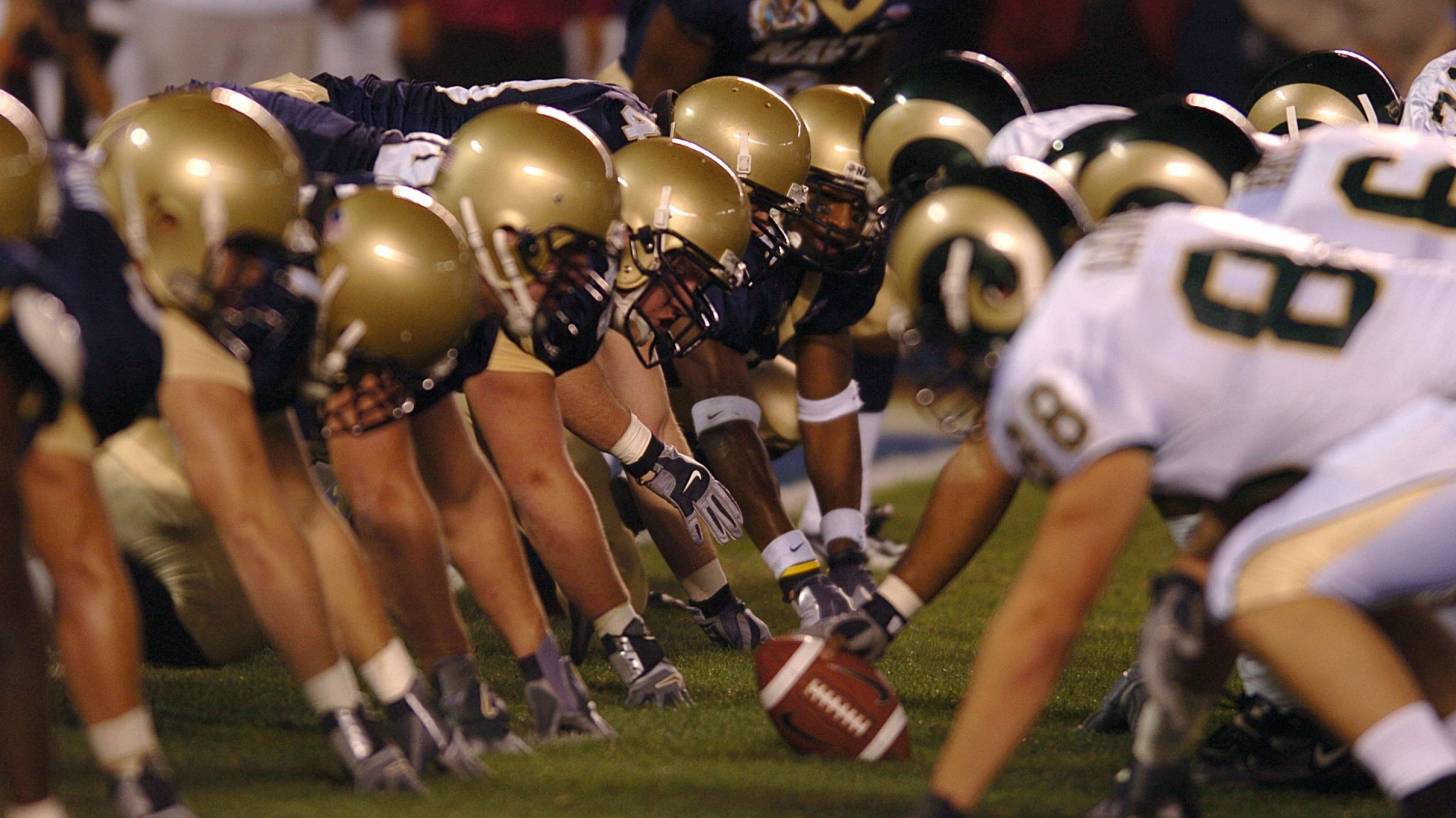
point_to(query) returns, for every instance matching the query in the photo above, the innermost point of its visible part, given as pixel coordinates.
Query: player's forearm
(1016, 667)
(969, 498)
(588, 407)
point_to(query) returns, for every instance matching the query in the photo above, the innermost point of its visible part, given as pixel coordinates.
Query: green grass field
(244, 744)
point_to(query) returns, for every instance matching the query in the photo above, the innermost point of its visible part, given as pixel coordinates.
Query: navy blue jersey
(785, 300)
(474, 358)
(85, 265)
(330, 142)
(786, 44)
(613, 113)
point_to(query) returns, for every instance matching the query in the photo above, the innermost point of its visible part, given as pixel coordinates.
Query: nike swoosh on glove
(696, 493)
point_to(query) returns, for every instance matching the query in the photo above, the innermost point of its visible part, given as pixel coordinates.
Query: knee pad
(823, 410)
(712, 412)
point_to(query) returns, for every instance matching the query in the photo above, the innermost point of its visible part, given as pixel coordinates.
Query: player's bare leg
(97, 626)
(226, 462)
(398, 525)
(518, 418)
(725, 417)
(717, 610)
(480, 531)
(592, 467)
(24, 730)
(829, 422)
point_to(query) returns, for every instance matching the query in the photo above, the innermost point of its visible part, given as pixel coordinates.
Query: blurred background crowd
(74, 61)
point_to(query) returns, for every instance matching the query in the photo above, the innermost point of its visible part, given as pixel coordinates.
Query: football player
(611, 402)
(558, 216)
(785, 44)
(811, 273)
(221, 177)
(25, 208)
(79, 290)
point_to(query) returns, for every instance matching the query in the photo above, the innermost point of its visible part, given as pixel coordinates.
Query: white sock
(333, 689)
(121, 744)
(390, 673)
(48, 808)
(704, 582)
(614, 621)
(870, 426)
(1407, 750)
(843, 524)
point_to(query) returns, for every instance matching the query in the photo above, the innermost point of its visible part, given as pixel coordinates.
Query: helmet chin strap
(1369, 109)
(955, 284)
(518, 321)
(337, 359)
(520, 316)
(1291, 119)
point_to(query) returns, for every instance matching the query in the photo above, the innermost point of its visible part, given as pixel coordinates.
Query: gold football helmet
(194, 179)
(29, 198)
(689, 222)
(1323, 88)
(1183, 151)
(934, 114)
(969, 260)
(760, 137)
(537, 196)
(841, 234)
(401, 293)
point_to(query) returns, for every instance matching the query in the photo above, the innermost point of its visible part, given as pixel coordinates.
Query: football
(828, 703)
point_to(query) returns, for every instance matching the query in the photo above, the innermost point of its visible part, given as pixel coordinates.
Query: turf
(244, 745)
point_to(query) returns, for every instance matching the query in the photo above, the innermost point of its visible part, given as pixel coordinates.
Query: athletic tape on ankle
(901, 596)
(47, 808)
(123, 741)
(704, 582)
(834, 407)
(390, 673)
(790, 555)
(633, 442)
(333, 689)
(843, 524)
(712, 412)
(614, 621)
(1406, 750)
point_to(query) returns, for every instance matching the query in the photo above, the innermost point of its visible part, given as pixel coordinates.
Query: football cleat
(1149, 792)
(482, 719)
(149, 793)
(1118, 712)
(373, 765)
(565, 711)
(426, 737)
(848, 571)
(733, 626)
(816, 598)
(1268, 744)
(881, 551)
(639, 661)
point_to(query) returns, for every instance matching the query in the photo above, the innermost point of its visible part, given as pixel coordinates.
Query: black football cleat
(1118, 712)
(1149, 792)
(373, 764)
(150, 793)
(1270, 745)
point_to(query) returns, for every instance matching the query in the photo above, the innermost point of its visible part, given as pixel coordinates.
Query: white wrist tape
(716, 411)
(790, 554)
(901, 596)
(843, 524)
(630, 447)
(824, 410)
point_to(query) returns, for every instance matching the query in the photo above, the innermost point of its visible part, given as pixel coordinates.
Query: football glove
(693, 490)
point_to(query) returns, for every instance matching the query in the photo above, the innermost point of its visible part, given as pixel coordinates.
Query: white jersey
(1034, 135)
(1231, 348)
(1379, 188)
(1430, 105)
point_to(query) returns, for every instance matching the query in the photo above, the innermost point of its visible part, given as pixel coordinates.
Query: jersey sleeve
(1050, 420)
(330, 141)
(1430, 106)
